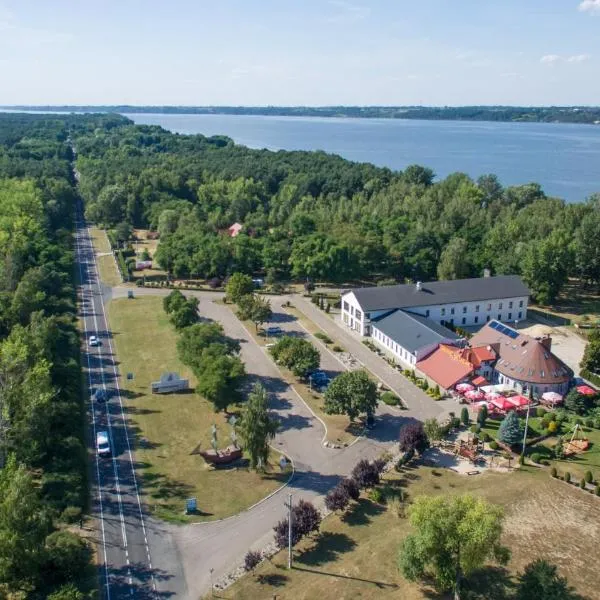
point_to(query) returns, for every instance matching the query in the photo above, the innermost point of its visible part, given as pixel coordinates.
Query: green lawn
(107, 268)
(355, 556)
(170, 428)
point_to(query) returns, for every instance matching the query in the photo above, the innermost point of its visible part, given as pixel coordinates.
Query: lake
(563, 158)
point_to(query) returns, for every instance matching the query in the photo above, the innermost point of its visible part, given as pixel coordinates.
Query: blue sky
(313, 52)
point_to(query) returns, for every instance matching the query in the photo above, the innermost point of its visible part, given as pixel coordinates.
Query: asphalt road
(129, 543)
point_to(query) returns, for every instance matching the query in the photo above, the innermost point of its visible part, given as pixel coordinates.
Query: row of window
(487, 318)
(393, 346)
(477, 307)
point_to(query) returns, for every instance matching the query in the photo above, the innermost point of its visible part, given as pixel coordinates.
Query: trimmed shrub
(597, 490)
(464, 416)
(540, 411)
(568, 477)
(323, 337)
(390, 399)
(553, 472)
(588, 477)
(582, 484)
(486, 437)
(71, 514)
(536, 457)
(455, 422)
(365, 474)
(337, 348)
(494, 445)
(337, 499)
(252, 560)
(351, 488)
(552, 427)
(376, 495)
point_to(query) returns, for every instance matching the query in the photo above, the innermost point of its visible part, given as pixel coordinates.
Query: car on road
(103, 444)
(274, 331)
(93, 341)
(319, 379)
(100, 395)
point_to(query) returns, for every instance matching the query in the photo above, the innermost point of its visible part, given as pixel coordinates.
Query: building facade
(462, 302)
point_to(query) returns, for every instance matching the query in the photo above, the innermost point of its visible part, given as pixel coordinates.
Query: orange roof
(446, 365)
(479, 380)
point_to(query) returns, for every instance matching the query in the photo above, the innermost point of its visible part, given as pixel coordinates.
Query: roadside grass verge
(355, 556)
(169, 429)
(107, 269)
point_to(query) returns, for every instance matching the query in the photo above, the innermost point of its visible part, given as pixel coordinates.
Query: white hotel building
(408, 320)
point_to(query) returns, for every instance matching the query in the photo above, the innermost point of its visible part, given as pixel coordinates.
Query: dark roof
(411, 331)
(440, 292)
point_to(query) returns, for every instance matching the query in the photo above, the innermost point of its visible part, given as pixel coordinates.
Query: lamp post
(289, 507)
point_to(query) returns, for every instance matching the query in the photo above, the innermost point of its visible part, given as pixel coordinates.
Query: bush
(553, 472)
(582, 484)
(589, 423)
(396, 507)
(552, 427)
(494, 445)
(71, 514)
(588, 477)
(568, 477)
(337, 499)
(323, 337)
(597, 490)
(365, 474)
(404, 460)
(475, 428)
(486, 437)
(540, 411)
(464, 416)
(536, 457)
(597, 424)
(390, 399)
(337, 348)
(252, 560)
(376, 495)
(351, 488)
(455, 422)
(413, 437)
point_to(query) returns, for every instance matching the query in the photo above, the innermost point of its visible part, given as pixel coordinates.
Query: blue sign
(191, 505)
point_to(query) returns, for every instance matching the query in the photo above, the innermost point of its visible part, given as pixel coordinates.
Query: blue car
(100, 395)
(319, 379)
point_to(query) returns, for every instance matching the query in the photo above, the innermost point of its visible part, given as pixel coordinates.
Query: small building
(234, 229)
(410, 337)
(169, 382)
(140, 265)
(460, 302)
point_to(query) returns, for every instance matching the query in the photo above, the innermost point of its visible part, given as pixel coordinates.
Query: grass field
(170, 428)
(355, 557)
(107, 269)
(576, 302)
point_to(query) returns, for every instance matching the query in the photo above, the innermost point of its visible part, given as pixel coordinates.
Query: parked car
(94, 341)
(103, 444)
(100, 395)
(319, 379)
(271, 331)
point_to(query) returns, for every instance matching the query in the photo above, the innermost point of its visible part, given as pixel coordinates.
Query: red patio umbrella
(503, 403)
(586, 390)
(519, 401)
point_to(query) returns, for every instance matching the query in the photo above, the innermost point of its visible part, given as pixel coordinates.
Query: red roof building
(234, 229)
(446, 366)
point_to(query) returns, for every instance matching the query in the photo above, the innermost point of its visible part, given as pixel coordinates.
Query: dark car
(100, 395)
(274, 331)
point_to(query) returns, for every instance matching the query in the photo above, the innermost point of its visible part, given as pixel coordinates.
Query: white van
(102, 443)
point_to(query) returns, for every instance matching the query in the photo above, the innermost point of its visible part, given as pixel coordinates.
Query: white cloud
(550, 59)
(554, 59)
(591, 6)
(577, 58)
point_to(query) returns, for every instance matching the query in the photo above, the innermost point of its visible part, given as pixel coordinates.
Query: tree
(454, 260)
(185, 315)
(200, 336)
(256, 309)
(238, 286)
(219, 376)
(24, 525)
(168, 222)
(541, 580)
(306, 517)
(351, 393)
(418, 175)
(296, 354)
(464, 416)
(337, 498)
(591, 354)
(365, 474)
(351, 488)
(433, 430)
(252, 560)
(482, 415)
(257, 428)
(67, 592)
(174, 301)
(282, 532)
(578, 403)
(587, 247)
(510, 431)
(412, 437)
(123, 232)
(453, 537)
(66, 557)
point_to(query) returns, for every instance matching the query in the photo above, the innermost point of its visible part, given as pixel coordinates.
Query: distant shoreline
(511, 114)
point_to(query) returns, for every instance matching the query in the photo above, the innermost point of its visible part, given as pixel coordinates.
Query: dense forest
(318, 216)
(43, 481)
(533, 114)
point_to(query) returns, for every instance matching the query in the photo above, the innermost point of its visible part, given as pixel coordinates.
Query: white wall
(476, 313)
(387, 344)
(480, 312)
(538, 388)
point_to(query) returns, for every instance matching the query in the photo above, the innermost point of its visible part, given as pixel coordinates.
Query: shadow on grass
(160, 487)
(362, 513)
(379, 584)
(272, 579)
(327, 548)
(489, 583)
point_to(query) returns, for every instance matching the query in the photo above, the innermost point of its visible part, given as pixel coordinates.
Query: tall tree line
(43, 481)
(318, 216)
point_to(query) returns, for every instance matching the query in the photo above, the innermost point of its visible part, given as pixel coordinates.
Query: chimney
(419, 286)
(487, 273)
(546, 341)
